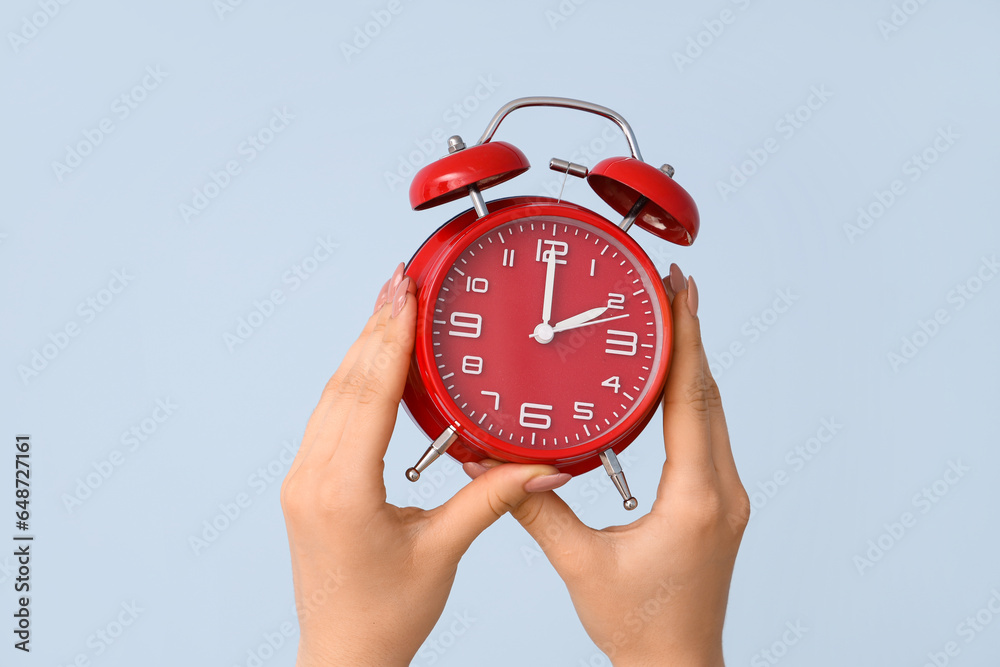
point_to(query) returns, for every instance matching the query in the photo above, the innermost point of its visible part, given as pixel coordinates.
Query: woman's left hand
(371, 579)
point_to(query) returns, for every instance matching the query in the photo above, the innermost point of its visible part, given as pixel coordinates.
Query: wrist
(700, 657)
(659, 661)
(349, 655)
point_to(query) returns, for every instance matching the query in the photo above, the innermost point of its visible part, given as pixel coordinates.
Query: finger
(377, 383)
(349, 387)
(321, 412)
(722, 451)
(556, 528)
(686, 405)
(669, 289)
(491, 494)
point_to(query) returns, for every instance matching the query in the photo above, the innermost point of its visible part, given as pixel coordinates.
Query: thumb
(496, 489)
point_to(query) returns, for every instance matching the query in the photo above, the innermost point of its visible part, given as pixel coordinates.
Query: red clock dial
(546, 334)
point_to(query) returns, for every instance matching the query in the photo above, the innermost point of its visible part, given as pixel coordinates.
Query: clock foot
(437, 448)
(614, 470)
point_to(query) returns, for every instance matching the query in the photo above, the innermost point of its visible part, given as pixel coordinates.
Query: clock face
(546, 333)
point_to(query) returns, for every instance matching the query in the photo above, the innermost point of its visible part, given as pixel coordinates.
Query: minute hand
(565, 325)
(580, 318)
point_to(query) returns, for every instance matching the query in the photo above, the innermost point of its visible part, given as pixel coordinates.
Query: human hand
(654, 592)
(371, 579)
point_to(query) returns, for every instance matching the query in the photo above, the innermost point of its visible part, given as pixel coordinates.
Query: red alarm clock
(543, 329)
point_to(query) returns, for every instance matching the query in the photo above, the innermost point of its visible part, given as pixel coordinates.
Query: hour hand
(550, 275)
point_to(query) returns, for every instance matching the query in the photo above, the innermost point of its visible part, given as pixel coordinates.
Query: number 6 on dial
(541, 420)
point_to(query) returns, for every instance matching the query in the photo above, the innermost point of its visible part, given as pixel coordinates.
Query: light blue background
(324, 175)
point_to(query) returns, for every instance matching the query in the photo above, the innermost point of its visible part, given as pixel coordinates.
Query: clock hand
(577, 321)
(550, 275)
(570, 321)
(557, 328)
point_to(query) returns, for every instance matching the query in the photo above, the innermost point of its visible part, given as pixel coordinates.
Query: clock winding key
(614, 470)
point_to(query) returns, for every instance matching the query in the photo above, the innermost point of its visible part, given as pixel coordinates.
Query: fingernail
(397, 277)
(676, 279)
(382, 296)
(669, 290)
(546, 482)
(473, 469)
(692, 297)
(399, 299)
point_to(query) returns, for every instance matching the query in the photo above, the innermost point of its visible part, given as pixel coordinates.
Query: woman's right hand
(654, 592)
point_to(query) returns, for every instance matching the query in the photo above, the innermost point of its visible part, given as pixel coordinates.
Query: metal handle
(565, 103)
